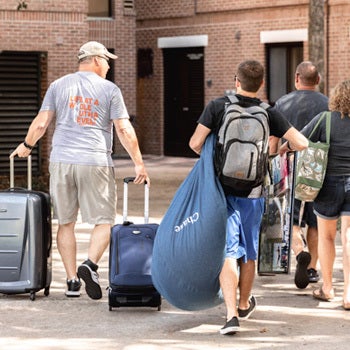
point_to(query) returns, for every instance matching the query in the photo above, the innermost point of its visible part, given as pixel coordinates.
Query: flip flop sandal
(319, 295)
(346, 306)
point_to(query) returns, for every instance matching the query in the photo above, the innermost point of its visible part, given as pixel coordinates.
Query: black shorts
(309, 218)
(334, 198)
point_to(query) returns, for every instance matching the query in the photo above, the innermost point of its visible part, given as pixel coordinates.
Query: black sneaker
(301, 278)
(73, 288)
(244, 314)
(90, 278)
(231, 327)
(313, 275)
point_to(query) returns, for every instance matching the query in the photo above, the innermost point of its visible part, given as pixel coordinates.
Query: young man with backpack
(245, 203)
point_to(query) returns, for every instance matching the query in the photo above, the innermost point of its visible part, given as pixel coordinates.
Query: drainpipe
(326, 48)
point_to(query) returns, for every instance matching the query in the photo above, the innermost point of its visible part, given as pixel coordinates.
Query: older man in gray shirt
(85, 106)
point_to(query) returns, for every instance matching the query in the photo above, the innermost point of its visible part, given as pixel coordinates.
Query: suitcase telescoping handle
(125, 200)
(29, 172)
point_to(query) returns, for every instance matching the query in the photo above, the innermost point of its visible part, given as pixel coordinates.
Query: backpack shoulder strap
(264, 105)
(232, 98)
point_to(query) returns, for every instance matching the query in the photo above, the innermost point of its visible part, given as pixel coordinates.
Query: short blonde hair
(340, 98)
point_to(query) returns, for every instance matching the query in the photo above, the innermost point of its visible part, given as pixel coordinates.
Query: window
(144, 63)
(100, 8)
(110, 73)
(282, 60)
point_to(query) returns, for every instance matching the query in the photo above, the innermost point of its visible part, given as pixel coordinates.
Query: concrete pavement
(286, 318)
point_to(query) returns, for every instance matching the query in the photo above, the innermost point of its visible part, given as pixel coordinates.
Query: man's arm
(296, 141)
(36, 131)
(273, 145)
(127, 136)
(198, 138)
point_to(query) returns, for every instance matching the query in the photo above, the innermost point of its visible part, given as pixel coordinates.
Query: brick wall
(58, 28)
(338, 43)
(243, 5)
(46, 5)
(42, 27)
(222, 55)
(157, 9)
(221, 20)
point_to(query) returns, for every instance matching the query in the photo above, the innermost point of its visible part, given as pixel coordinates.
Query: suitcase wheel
(47, 291)
(32, 296)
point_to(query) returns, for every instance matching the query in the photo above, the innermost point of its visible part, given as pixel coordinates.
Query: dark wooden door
(183, 98)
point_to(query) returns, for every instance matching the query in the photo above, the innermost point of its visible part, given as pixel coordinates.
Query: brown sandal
(319, 295)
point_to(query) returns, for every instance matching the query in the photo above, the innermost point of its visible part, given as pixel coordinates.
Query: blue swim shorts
(243, 227)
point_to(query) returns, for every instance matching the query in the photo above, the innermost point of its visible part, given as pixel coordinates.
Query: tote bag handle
(328, 126)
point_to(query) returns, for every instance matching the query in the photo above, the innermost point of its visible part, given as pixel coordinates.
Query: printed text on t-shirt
(85, 109)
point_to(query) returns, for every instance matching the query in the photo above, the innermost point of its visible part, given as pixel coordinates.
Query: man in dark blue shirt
(299, 107)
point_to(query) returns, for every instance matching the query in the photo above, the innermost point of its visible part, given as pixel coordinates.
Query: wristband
(288, 146)
(27, 146)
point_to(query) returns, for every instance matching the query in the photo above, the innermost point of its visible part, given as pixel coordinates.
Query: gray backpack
(242, 148)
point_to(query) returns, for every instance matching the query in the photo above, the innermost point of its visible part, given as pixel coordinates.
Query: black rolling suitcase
(25, 239)
(130, 256)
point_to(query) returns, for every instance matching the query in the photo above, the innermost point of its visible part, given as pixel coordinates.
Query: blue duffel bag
(189, 247)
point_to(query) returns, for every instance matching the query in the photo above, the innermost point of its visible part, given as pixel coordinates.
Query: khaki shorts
(92, 189)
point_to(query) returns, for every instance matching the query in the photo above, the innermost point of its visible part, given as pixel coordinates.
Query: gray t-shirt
(85, 105)
(300, 106)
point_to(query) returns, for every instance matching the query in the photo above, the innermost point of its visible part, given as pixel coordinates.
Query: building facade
(182, 36)
(39, 42)
(174, 57)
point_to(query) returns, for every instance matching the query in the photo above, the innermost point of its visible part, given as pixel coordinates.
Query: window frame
(106, 14)
(293, 56)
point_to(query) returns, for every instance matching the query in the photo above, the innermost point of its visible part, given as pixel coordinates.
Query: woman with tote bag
(333, 200)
